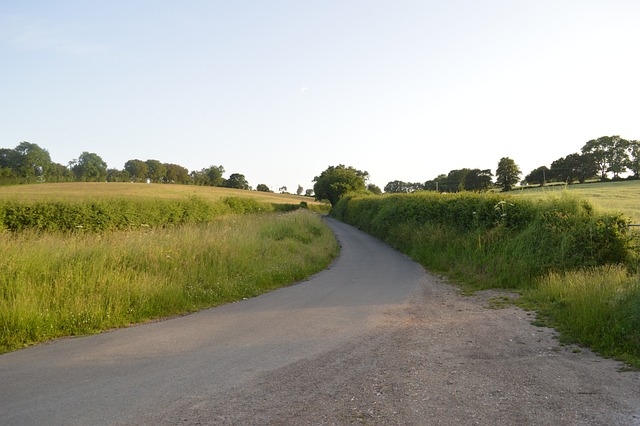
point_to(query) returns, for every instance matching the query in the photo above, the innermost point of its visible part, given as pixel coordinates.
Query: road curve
(134, 375)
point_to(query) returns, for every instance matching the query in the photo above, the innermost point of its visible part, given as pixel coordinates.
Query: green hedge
(500, 239)
(121, 213)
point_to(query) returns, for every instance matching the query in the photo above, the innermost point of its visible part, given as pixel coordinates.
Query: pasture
(81, 191)
(620, 197)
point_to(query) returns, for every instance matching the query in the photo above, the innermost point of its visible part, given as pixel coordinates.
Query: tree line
(29, 163)
(507, 176)
(597, 159)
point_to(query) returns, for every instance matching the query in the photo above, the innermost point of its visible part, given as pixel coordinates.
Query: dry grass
(77, 191)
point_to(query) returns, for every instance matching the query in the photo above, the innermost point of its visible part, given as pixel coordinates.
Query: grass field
(78, 191)
(622, 197)
(57, 283)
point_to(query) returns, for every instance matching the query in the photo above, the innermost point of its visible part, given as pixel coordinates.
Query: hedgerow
(122, 213)
(504, 240)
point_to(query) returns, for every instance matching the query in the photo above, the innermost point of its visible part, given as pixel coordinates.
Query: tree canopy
(89, 167)
(507, 174)
(336, 181)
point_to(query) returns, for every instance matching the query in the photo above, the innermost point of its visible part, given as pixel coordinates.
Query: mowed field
(622, 197)
(79, 191)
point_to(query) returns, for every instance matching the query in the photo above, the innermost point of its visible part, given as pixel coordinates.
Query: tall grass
(536, 247)
(597, 307)
(59, 284)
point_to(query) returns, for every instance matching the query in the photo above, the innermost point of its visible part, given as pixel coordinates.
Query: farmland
(622, 197)
(79, 191)
(63, 280)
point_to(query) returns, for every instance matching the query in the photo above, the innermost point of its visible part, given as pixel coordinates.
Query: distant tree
(299, 190)
(507, 174)
(478, 180)
(573, 167)
(599, 148)
(157, 171)
(336, 181)
(617, 156)
(214, 175)
(138, 170)
(211, 176)
(115, 175)
(176, 174)
(634, 157)
(262, 188)
(58, 173)
(375, 189)
(8, 159)
(282, 189)
(398, 186)
(237, 181)
(89, 167)
(436, 184)
(584, 166)
(30, 160)
(539, 176)
(454, 181)
(309, 193)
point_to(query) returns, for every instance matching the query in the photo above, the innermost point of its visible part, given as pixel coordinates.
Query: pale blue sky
(279, 90)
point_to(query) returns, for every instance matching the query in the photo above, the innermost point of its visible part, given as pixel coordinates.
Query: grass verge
(576, 266)
(56, 284)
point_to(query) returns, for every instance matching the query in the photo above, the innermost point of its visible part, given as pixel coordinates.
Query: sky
(280, 90)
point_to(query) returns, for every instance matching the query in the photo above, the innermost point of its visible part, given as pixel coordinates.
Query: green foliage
(507, 174)
(598, 307)
(237, 181)
(89, 167)
(510, 241)
(120, 213)
(336, 181)
(262, 188)
(568, 261)
(56, 285)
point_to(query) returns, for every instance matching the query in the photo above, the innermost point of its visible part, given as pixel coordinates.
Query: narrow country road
(130, 375)
(372, 340)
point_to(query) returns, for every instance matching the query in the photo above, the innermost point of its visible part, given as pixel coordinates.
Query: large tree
(336, 181)
(237, 181)
(89, 167)
(617, 156)
(478, 180)
(609, 154)
(30, 160)
(157, 171)
(176, 174)
(539, 175)
(507, 174)
(398, 187)
(138, 170)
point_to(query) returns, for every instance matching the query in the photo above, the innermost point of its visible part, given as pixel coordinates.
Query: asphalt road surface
(144, 374)
(372, 340)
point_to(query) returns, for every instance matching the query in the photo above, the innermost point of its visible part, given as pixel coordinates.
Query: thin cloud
(37, 36)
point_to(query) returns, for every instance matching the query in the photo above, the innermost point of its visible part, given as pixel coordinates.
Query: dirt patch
(443, 359)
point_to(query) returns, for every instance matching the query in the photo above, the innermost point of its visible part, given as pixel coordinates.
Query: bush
(118, 214)
(505, 241)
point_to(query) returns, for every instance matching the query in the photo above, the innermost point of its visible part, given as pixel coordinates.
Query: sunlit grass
(80, 191)
(57, 285)
(622, 197)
